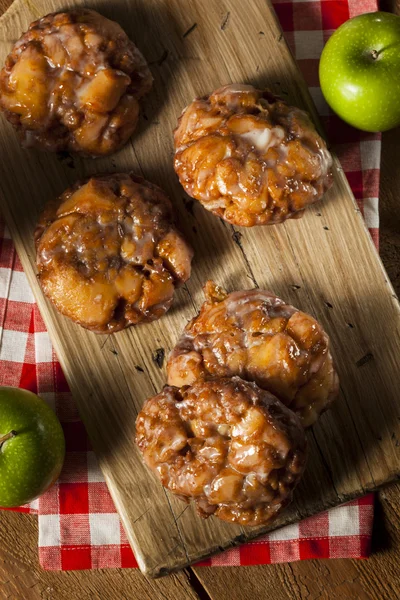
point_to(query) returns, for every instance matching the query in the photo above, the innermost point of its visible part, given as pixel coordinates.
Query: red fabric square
(28, 378)
(355, 180)
(365, 518)
(285, 16)
(289, 37)
(307, 16)
(38, 320)
(128, 559)
(255, 554)
(339, 132)
(284, 551)
(356, 7)
(73, 558)
(349, 156)
(369, 499)
(45, 375)
(374, 233)
(309, 68)
(73, 498)
(316, 526)
(74, 469)
(106, 556)
(7, 253)
(3, 308)
(75, 436)
(50, 558)
(360, 204)
(18, 316)
(17, 266)
(11, 373)
(344, 546)
(371, 182)
(365, 546)
(61, 382)
(30, 351)
(314, 548)
(334, 13)
(49, 502)
(66, 408)
(122, 534)
(100, 500)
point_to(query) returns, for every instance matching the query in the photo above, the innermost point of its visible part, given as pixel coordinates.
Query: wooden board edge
(159, 572)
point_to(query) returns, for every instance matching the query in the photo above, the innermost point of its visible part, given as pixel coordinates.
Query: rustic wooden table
(375, 579)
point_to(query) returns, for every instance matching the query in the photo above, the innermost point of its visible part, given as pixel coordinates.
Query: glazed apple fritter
(73, 82)
(249, 157)
(232, 448)
(257, 336)
(108, 253)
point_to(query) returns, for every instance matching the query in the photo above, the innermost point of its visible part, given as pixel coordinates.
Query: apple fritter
(257, 336)
(249, 157)
(232, 448)
(108, 253)
(73, 82)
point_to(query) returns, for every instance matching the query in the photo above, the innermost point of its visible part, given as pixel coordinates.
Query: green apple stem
(375, 54)
(7, 436)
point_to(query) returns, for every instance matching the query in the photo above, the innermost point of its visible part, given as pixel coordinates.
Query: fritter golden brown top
(249, 157)
(229, 446)
(257, 336)
(73, 82)
(108, 253)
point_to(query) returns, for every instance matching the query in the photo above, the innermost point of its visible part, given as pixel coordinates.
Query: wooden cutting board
(324, 264)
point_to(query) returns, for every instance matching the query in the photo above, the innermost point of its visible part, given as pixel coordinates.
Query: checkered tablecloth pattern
(78, 525)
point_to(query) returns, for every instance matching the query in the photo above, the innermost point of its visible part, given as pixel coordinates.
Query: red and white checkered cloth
(78, 525)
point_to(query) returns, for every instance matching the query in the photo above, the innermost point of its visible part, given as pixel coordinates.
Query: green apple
(359, 71)
(32, 447)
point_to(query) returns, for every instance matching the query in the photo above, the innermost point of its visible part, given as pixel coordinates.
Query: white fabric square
(290, 532)
(13, 345)
(319, 101)
(20, 290)
(43, 347)
(308, 44)
(34, 505)
(49, 530)
(5, 279)
(370, 154)
(371, 212)
(104, 529)
(344, 521)
(94, 473)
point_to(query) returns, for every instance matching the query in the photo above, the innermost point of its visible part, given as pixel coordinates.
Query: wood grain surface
(379, 455)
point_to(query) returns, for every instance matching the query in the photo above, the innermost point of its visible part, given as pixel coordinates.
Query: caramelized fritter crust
(257, 336)
(250, 158)
(72, 82)
(229, 446)
(108, 253)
